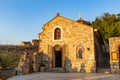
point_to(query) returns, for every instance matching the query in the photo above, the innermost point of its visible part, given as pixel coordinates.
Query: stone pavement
(66, 76)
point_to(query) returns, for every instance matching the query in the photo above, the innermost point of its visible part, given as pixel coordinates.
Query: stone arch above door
(57, 47)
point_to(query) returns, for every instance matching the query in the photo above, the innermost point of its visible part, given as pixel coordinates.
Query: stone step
(106, 71)
(56, 70)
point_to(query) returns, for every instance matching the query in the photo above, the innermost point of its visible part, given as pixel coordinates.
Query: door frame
(57, 47)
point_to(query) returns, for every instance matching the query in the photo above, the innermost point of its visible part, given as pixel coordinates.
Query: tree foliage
(108, 24)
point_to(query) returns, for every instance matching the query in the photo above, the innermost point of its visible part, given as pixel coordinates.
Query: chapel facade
(71, 45)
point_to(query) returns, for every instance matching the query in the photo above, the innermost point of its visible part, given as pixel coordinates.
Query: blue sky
(22, 20)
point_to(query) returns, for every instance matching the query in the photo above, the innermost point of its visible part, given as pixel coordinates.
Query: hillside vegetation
(108, 25)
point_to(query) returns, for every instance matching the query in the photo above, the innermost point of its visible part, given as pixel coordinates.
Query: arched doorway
(57, 56)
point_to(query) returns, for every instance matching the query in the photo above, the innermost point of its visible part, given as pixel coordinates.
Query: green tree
(108, 24)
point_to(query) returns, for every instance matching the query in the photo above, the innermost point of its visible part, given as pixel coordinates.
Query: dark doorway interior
(119, 57)
(96, 58)
(58, 59)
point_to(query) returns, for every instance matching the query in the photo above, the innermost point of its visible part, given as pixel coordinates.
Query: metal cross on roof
(80, 16)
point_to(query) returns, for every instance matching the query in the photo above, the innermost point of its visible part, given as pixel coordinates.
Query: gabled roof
(58, 15)
(81, 21)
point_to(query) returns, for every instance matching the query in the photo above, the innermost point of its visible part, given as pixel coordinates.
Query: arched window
(79, 52)
(57, 33)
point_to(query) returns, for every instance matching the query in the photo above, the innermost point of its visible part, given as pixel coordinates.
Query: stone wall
(114, 45)
(28, 55)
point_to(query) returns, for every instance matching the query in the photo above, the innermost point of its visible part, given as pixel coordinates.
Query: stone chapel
(71, 45)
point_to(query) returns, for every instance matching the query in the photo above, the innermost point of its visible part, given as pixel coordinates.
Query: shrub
(8, 61)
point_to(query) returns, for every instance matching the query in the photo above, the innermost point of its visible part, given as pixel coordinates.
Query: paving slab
(66, 76)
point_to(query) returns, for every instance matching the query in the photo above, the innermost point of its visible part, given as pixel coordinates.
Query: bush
(8, 61)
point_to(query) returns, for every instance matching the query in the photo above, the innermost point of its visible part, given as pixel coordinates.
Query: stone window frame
(78, 55)
(61, 39)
